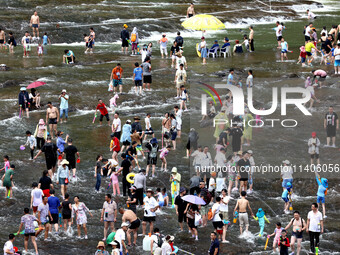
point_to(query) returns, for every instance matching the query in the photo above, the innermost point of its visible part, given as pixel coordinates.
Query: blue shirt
(54, 204)
(45, 40)
(60, 144)
(69, 53)
(230, 79)
(214, 244)
(215, 46)
(225, 45)
(321, 188)
(284, 46)
(138, 71)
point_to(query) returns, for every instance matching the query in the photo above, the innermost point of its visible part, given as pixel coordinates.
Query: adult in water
(35, 23)
(124, 36)
(52, 118)
(23, 101)
(190, 11)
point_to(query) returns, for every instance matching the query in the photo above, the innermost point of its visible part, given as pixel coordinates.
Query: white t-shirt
(249, 81)
(147, 123)
(166, 248)
(311, 15)
(160, 197)
(154, 240)
(287, 172)
(212, 184)
(8, 246)
(279, 30)
(180, 60)
(307, 30)
(220, 159)
(337, 51)
(119, 237)
(150, 203)
(37, 195)
(217, 217)
(26, 40)
(314, 221)
(203, 44)
(44, 210)
(117, 123)
(113, 162)
(224, 207)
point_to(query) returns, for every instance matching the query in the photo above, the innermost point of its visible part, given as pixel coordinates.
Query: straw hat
(64, 162)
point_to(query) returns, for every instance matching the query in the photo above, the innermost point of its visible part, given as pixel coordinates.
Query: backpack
(301, 222)
(153, 151)
(133, 37)
(179, 40)
(159, 241)
(210, 214)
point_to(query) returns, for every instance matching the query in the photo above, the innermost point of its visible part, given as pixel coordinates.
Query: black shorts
(152, 161)
(66, 216)
(52, 121)
(331, 131)
(314, 156)
(307, 38)
(71, 164)
(138, 83)
(181, 217)
(309, 53)
(106, 116)
(2, 41)
(191, 223)
(279, 38)
(190, 15)
(50, 163)
(298, 235)
(243, 179)
(217, 224)
(147, 79)
(149, 131)
(135, 224)
(55, 218)
(30, 234)
(24, 106)
(126, 143)
(149, 219)
(125, 43)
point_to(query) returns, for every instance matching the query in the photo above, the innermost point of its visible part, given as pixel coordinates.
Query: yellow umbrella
(203, 22)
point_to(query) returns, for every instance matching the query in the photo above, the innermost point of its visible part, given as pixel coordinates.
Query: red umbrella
(36, 84)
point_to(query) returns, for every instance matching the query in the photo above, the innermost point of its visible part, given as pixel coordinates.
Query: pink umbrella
(36, 84)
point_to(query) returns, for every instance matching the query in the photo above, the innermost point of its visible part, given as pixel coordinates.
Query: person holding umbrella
(23, 102)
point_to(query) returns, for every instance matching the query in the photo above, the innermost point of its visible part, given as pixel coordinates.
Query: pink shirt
(164, 153)
(320, 73)
(114, 178)
(7, 165)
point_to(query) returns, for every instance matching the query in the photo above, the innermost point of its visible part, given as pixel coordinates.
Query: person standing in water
(134, 39)
(52, 118)
(124, 36)
(313, 148)
(2, 39)
(314, 227)
(278, 30)
(251, 38)
(190, 11)
(242, 205)
(23, 101)
(35, 24)
(63, 105)
(331, 124)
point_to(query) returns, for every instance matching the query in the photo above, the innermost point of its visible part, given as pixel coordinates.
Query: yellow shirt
(309, 46)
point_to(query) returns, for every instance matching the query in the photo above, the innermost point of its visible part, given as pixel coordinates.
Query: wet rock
(10, 83)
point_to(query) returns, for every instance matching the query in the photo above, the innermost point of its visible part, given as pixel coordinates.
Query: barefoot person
(299, 225)
(241, 207)
(130, 216)
(35, 23)
(52, 118)
(108, 214)
(190, 11)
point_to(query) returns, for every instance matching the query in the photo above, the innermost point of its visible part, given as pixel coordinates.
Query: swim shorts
(309, 53)
(307, 38)
(298, 235)
(53, 121)
(138, 83)
(125, 43)
(55, 218)
(320, 200)
(50, 163)
(279, 38)
(283, 51)
(149, 219)
(152, 161)
(147, 79)
(315, 155)
(243, 219)
(117, 82)
(337, 63)
(35, 25)
(135, 224)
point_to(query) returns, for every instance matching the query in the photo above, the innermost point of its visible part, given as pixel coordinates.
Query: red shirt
(102, 109)
(115, 142)
(303, 54)
(287, 242)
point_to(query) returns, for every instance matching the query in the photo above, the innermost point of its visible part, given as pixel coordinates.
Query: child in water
(160, 197)
(302, 56)
(261, 217)
(284, 243)
(162, 156)
(6, 164)
(114, 182)
(40, 50)
(322, 192)
(277, 234)
(286, 197)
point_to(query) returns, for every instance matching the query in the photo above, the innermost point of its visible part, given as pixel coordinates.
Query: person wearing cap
(120, 237)
(286, 173)
(180, 206)
(175, 177)
(52, 118)
(101, 249)
(50, 149)
(166, 247)
(124, 36)
(115, 248)
(125, 138)
(103, 112)
(214, 47)
(153, 148)
(61, 143)
(203, 49)
(130, 216)
(314, 227)
(322, 192)
(63, 105)
(313, 148)
(163, 44)
(63, 175)
(71, 151)
(150, 208)
(108, 214)
(132, 202)
(54, 205)
(24, 101)
(238, 47)
(40, 134)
